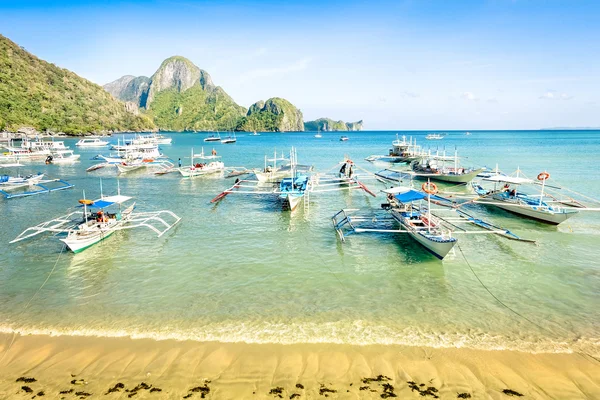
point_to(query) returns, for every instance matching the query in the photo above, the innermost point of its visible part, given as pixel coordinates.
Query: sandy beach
(87, 367)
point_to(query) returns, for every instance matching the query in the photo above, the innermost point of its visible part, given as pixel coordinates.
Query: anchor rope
(14, 335)
(508, 307)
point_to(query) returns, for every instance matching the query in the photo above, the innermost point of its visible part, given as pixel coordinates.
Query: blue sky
(420, 64)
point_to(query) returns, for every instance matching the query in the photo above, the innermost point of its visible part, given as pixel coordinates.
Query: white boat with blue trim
(95, 222)
(507, 194)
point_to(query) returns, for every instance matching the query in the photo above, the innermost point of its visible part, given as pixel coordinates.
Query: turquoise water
(243, 270)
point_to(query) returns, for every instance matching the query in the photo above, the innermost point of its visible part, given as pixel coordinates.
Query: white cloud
(411, 95)
(554, 95)
(299, 65)
(492, 100)
(469, 96)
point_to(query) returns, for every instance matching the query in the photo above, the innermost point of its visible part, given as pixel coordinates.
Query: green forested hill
(36, 93)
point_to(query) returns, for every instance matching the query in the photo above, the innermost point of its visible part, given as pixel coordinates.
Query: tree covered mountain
(41, 95)
(180, 96)
(275, 114)
(327, 124)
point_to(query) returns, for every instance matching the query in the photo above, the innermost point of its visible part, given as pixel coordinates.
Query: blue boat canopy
(101, 204)
(409, 196)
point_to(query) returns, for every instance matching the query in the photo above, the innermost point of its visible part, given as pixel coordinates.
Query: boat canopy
(508, 179)
(409, 196)
(108, 201)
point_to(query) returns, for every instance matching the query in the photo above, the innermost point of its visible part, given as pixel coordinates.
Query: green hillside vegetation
(261, 122)
(36, 93)
(195, 109)
(327, 124)
(274, 115)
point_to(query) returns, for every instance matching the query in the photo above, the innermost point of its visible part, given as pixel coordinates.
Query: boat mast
(455, 160)
(542, 193)
(84, 208)
(429, 207)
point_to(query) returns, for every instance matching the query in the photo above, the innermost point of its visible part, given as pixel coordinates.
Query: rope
(509, 308)
(14, 335)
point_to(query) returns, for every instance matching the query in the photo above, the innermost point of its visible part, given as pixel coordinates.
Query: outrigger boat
(28, 185)
(199, 169)
(402, 151)
(297, 186)
(435, 168)
(274, 173)
(140, 163)
(406, 209)
(83, 231)
(435, 136)
(506, 195)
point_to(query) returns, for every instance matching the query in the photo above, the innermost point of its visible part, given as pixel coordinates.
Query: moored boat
(507, 195)
(94, 142)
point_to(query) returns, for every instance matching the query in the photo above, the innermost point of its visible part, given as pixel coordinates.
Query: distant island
(571, 128)
(39, 96)
(326, 124)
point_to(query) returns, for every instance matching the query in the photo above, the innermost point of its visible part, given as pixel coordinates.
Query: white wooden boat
(95, 142)
(62, 157)
(213, 138)
(28, 185)
(37, 145)
(16, 154)
(229, 139)
(507, 195)
(296, 187)
(202, 168)
(96, 222)
(402, 151)
(435, 136)
(411, 211)
(438, 168)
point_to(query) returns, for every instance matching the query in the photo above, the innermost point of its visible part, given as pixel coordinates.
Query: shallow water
(243, 270)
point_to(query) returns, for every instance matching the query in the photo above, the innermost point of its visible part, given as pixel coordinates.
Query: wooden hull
(464, 178)
(438, 248)
(293, 200)
(542, 215)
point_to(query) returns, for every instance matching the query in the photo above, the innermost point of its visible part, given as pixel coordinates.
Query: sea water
(243, 270)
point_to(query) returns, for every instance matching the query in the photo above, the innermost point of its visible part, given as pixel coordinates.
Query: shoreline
(258, 371)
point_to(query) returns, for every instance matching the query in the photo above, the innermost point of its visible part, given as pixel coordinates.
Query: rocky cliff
(275, 114)
(130, 89)
(327, 124)
(38, 94)
(180, 96)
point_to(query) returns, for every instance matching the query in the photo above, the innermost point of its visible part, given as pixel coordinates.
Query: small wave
(357, 333)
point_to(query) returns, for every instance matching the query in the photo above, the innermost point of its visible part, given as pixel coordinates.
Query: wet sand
(87, 367)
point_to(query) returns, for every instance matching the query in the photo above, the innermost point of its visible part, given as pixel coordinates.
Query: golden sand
(252, 371)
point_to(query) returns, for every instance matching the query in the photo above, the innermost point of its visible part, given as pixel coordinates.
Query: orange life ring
(429, 188)
(542, 176)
